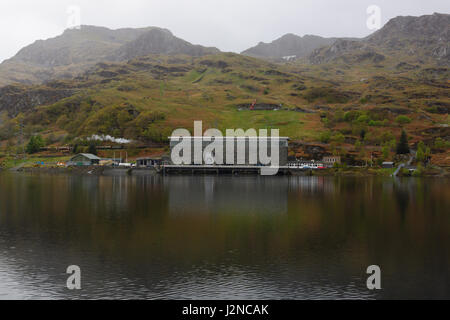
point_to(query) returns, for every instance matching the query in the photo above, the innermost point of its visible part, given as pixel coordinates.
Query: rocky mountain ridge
(419, 39)
(289, 46)
(76, 50)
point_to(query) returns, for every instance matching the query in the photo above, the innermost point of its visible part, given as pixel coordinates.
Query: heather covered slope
(327, 106)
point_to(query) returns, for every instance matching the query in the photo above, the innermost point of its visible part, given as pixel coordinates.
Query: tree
(35, 144)
(403, 146)
(421, 146)
(325, 136)
(420, 155)
(362, 133)
(423, 152)
(386, 152)
(92, 149)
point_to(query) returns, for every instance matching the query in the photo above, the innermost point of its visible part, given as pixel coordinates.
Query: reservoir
(223, 237)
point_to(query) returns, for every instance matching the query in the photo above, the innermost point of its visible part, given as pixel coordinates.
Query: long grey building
(234, 150)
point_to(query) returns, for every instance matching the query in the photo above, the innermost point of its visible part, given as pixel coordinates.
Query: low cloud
(230, 25)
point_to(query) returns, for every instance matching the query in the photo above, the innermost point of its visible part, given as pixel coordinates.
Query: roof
(389, 162)
(149, 158)
(90, 156)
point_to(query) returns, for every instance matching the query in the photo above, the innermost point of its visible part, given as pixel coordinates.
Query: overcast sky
(230, 25)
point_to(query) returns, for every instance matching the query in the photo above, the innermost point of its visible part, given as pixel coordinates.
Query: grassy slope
(210, 94)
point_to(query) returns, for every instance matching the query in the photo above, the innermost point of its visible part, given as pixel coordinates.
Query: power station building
(233, 151)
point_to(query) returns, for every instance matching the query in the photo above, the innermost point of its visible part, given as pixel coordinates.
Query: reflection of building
(243, 150)
(213, 195)
(331, 161)
(311, 185)
(84, 159)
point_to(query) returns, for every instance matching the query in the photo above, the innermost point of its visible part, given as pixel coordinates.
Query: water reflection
(228, 237)
(206, 194)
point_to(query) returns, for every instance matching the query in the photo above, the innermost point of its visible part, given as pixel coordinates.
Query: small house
(387, 165)
(148, 162)
(84, 159)
(331, 161)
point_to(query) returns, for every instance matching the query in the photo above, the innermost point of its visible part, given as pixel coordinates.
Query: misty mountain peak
(289, 45)
(77, 49)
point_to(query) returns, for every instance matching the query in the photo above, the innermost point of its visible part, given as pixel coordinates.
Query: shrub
(378, 123)
(403, 120)
(440, 143)
(358, 145)
(419, 171)
(405, 172)
(387, 136)
(338, 137)
(351, 115)
(325, 136)
(363, 119)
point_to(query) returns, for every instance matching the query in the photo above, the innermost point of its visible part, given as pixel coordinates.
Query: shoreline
(115, 171)
(89, 171)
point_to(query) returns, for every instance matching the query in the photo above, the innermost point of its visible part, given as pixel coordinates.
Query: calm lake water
(209, 237)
